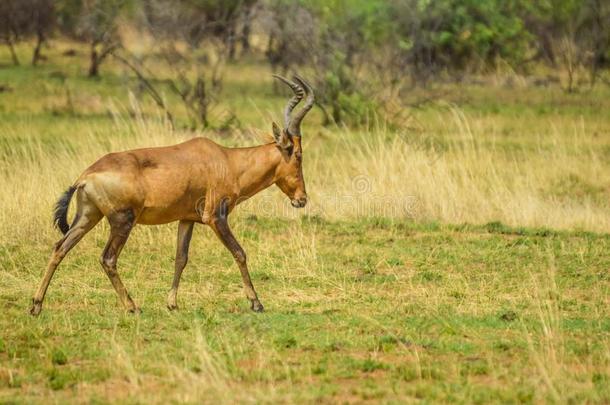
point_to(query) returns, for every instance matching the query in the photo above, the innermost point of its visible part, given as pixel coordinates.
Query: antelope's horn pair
(301, 89)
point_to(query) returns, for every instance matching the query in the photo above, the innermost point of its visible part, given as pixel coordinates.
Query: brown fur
(167, 184)
(197, 181)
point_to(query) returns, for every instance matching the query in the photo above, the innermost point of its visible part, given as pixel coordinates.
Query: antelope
(197, 181)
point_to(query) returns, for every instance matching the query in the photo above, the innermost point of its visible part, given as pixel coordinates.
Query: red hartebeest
(197, 181)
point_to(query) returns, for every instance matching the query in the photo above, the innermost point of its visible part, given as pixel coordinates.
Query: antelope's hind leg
(185, 232)
(121, 224)
(87, 216)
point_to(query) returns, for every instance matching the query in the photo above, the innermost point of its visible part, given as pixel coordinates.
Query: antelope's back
(160, 184)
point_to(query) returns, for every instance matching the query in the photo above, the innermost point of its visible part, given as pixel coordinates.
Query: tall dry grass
(559, 181)
(462, 171)
(468, 174)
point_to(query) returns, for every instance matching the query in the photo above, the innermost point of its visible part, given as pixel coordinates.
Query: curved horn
(295, 123)
(299, 93)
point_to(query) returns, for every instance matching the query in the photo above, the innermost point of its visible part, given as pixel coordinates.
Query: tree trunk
(231, 42)
(11, 48)
(599, 47)
(336, 111)
(202, 102)
(245, 32)
(37, 48)
(94, 66)
(325, 117)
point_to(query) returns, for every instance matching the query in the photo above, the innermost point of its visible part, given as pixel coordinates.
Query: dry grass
(560, 181)
(372, 295)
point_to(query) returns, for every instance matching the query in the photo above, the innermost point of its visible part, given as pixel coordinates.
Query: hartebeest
(197, 181)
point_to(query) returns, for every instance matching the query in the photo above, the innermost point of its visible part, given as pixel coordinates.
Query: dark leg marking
(121, 224)
(185, 232)
(220, 225)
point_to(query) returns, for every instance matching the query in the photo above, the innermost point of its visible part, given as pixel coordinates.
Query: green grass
(463, 302)
(359, 310)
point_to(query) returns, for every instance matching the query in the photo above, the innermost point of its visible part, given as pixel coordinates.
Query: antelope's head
(289, 172)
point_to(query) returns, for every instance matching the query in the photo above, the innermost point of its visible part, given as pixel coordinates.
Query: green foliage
(59, 357)
(68, 12)
(340, 42)
(60, 379)
(360, 19)
(460, 33)
(424, 39)
(92, 20)
(285, 342)
(348, 103)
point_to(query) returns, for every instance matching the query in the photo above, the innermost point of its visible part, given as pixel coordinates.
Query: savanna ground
(461, 256)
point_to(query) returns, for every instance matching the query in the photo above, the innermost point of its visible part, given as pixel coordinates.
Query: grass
(461, 257)
(356, 310)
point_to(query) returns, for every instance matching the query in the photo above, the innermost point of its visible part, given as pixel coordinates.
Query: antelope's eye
(298, 156)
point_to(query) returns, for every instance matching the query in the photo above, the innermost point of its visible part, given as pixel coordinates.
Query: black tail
(60, 215)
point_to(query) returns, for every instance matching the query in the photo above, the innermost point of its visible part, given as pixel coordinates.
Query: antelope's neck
(256, 168)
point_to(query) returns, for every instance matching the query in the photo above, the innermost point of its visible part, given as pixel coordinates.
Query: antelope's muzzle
(299, 203)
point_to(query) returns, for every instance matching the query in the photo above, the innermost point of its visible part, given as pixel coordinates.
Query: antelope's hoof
(257, 306)
(172, 307)
(36, 308)
(135, 311)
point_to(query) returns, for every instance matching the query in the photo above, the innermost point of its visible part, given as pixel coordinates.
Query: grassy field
(460, 256)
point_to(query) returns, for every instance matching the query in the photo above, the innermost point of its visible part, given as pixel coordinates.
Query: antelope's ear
(282, 139)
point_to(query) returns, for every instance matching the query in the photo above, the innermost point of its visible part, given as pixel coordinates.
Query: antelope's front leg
(185, 232)
(220, 225)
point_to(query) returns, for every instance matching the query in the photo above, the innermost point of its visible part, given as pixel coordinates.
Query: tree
(599, 37)
(21, 19)
(572, 35)
(12, 21)
(292, 31)
(94, 22)
(193, 39)
(98, 25)
(42, 22)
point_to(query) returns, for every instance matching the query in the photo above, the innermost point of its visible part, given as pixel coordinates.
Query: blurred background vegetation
(366, 58)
